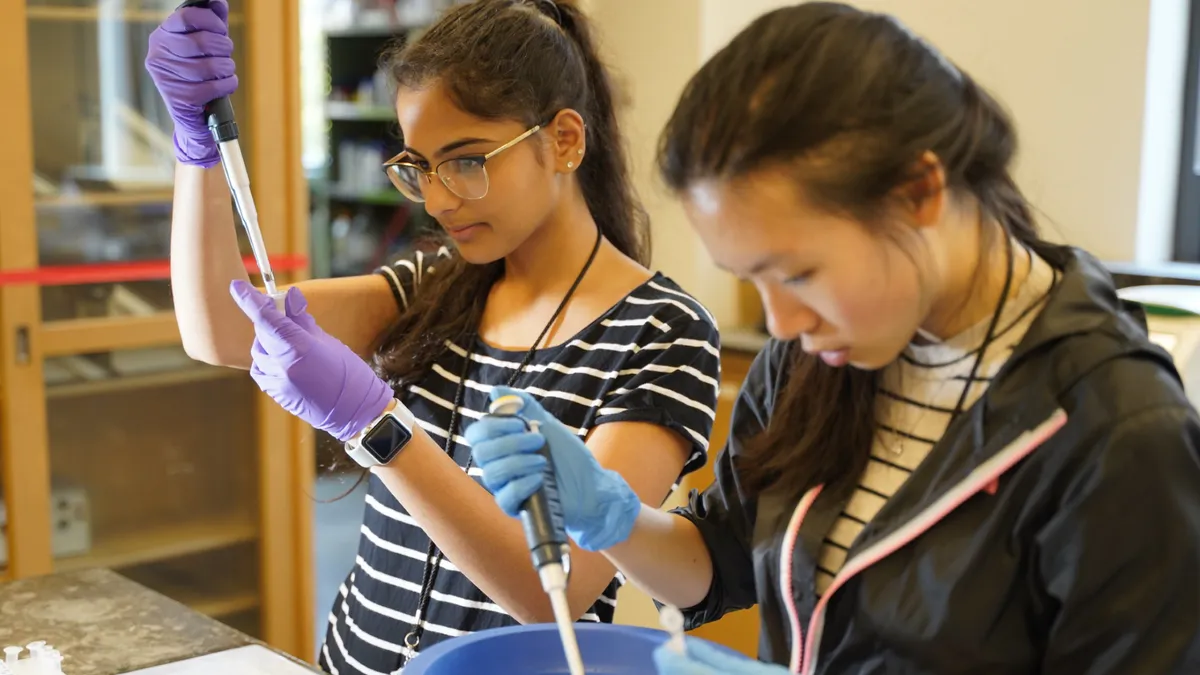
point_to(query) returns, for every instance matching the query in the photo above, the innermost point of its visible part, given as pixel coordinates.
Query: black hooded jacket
(1055, 528)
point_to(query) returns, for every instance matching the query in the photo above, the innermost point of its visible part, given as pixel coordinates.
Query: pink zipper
(983, 479)
(785, 575)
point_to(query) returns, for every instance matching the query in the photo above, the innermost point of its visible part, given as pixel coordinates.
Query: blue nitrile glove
(704, 659)
(599, 507)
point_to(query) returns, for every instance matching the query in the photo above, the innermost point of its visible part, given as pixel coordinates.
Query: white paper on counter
(248, 660)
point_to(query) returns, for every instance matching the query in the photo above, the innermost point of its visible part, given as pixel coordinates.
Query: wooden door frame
(24, 461)
(286, 453)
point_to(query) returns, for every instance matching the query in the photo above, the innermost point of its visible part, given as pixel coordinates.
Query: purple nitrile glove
(312, 375)
(190, 61)
(704, 659)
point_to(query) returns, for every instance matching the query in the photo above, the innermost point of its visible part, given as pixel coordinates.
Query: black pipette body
(541, 514)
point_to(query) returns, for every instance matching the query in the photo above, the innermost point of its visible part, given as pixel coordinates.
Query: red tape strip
(111, 273)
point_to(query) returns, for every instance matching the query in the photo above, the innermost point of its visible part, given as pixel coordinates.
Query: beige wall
(1073, 74)
(1098, 154)
(654, 46)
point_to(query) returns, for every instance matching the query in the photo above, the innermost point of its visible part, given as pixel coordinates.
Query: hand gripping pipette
(223, 125)
(542, 519)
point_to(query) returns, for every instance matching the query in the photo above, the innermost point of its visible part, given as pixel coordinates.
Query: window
(1187, 209)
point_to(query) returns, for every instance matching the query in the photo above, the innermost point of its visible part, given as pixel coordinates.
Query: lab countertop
(105, 624)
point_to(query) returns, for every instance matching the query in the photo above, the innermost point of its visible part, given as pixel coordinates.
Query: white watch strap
(359, 453)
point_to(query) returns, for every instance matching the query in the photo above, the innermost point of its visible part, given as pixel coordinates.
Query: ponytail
(604, 174)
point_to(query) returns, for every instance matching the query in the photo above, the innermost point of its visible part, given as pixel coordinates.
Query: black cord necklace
(990, 335)
(434, 555)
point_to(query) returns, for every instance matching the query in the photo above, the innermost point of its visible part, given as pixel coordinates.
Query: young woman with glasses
(511, 143)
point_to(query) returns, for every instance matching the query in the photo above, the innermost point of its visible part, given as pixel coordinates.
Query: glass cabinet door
(153, 457)
(144, 482)
(103, 155)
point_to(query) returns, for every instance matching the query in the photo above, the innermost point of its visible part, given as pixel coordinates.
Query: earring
(570, 165)
(580, 151)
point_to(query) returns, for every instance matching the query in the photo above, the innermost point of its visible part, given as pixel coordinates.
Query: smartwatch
(383, 438)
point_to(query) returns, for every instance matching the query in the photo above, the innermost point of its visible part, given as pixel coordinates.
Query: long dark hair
(520, 60)
(851, 100)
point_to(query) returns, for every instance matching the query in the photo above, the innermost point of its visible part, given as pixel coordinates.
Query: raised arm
(189, 60)
(205, 259)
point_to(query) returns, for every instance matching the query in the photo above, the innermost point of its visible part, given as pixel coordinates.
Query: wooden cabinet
(116, 449)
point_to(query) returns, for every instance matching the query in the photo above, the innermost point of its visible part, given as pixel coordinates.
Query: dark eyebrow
(754, 269)
(451, 147)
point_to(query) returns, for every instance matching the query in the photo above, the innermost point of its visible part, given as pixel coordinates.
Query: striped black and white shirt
(918, 395)
(653, 358)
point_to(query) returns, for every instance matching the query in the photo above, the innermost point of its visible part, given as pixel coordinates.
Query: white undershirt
(918, 395)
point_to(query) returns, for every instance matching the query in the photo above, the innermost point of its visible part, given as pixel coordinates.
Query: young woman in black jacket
(960, 453)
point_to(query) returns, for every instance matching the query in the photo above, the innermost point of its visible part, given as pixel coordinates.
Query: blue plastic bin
(535, 650)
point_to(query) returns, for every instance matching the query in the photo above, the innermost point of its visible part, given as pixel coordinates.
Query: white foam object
(41, 660)
(671, 620)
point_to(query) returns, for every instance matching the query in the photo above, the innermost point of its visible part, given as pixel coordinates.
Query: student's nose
(788, 318)
(439, 200)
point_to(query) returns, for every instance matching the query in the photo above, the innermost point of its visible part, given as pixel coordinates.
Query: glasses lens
(465, 177)
(407, 180)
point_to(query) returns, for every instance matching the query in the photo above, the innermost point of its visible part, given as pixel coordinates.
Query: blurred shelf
(89, 336)
(53, 13)
(349, 110)
(369, 31)
(383, 197)
(248, 622)
(163, 543)
(108, 198)
(223, 605)
(213, 602)
(120, 383)
(219, 584)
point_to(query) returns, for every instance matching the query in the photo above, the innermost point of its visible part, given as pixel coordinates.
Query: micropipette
(542, 519)
(223, 125)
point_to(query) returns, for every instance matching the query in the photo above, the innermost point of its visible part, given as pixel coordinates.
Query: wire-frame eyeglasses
(465, 176)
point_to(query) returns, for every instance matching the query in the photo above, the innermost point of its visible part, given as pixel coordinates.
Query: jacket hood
(1084, 303)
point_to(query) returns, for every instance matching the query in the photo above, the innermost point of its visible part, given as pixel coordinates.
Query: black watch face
(386, 439)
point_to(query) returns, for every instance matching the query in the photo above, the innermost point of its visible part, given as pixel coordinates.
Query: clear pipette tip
(554, 581)
(243, 201)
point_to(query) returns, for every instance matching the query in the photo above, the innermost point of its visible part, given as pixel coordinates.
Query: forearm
(666, 557)
(488, 546)
(204, 260)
